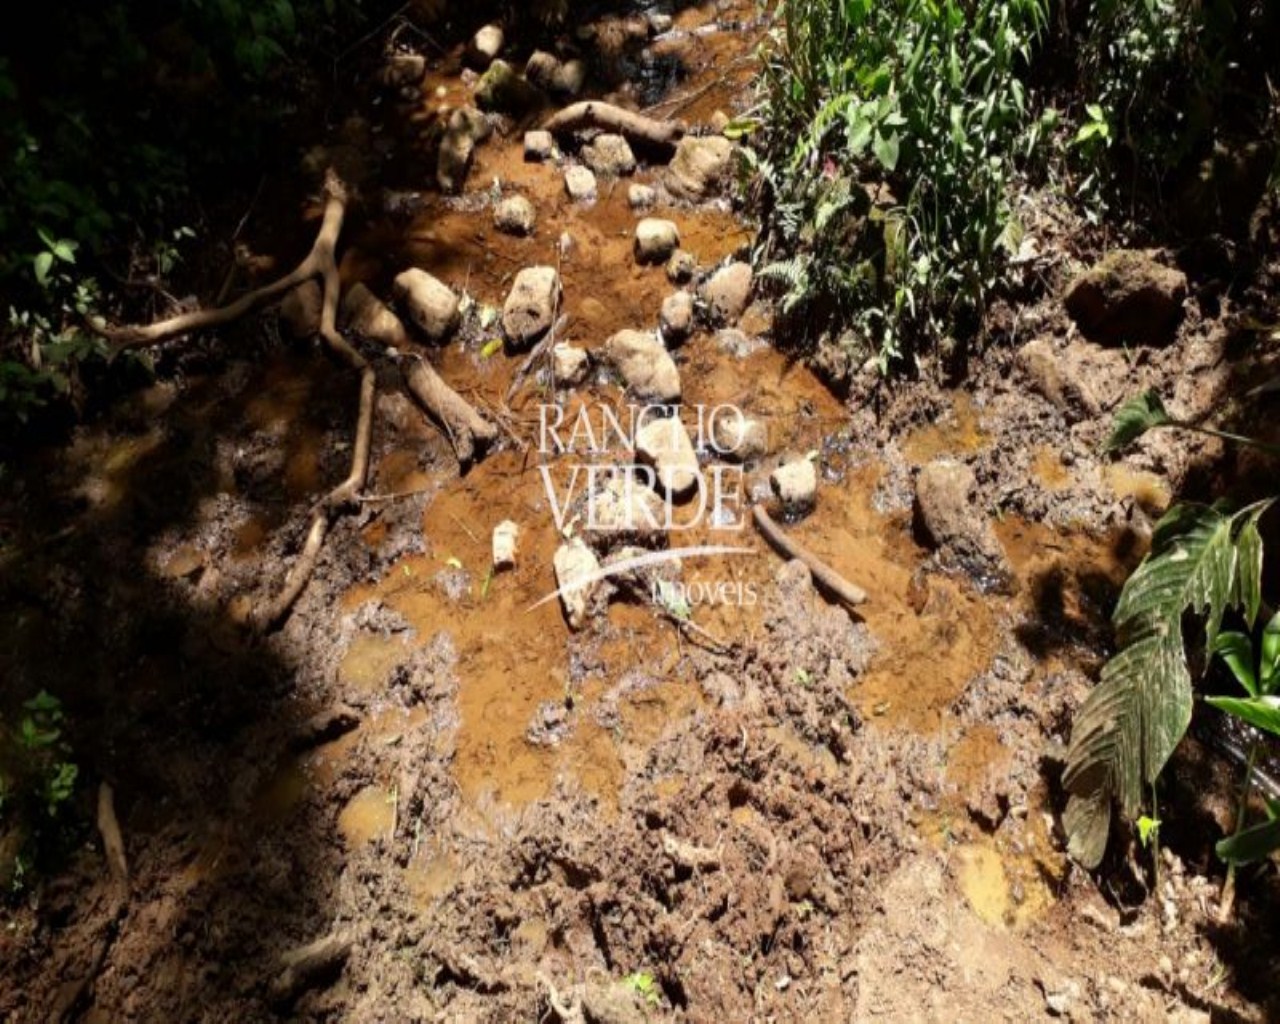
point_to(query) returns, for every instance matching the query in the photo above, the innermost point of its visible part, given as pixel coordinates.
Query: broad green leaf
(43, 264)
(1260, 712)
(1133, 719)
(1252, 844)
(1269, 662)
(1135, 418)
(886, 150)
(1236, 650)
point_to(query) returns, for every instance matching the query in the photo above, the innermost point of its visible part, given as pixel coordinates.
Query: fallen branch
(319, 263)
(467, 430)
(826, 577)
(112, 840)
(636, 127)
(687, 855)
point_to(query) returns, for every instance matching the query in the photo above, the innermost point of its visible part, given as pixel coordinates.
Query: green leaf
(886, 150)
(1260, 712)
(43, 264)
(490, 348)
(1130, 723)
(1147, 827)
(1252, 844)
(1236, 650)
(1135, 418)
(1269, 662)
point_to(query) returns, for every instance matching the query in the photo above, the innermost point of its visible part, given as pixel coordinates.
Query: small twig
(393, 495)
(825, 576)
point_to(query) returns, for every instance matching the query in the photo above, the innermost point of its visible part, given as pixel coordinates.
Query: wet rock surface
(1128, 297)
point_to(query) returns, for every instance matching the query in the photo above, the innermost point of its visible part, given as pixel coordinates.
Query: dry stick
(636, 127)
(319, 262)
(468, 431)
(823, 574)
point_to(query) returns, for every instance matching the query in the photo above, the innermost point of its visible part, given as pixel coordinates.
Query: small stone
(676, 318)
(574, 563)
(681, 267)
(738, 344)
(795, 484)
(364, 313)
(565, 244)
(656, 240)
(514, 216)
(740, 437)
(531, 305)
(945, 513)
(431, 304)
(467, 127)
(609, 155)
(727, 293)
(548, 72)
(641, 197)
(645, 365)
(503, 91)
(569, 364)
(718, 121)
(538, 146)
(664, 444)
(403, 70)
(625, 508)
(300, 310)
(486, 44)
(506, 537)
(569, 78)
(580, 183)
(701, 167)
(541, 68)
(659, 22)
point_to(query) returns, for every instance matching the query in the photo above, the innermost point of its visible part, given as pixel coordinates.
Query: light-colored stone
(796, 484)
(676, 318)
(574, 564)
(659, 22)
(506, 541)
(609, 155)
(300, 310)
(580, 183)
(538, 146)
(664, 444)
(515, 215)
(727, 293)
(502, 90)
(701, 167)
(530, 307)
(431, 304)
(681, 267)
(625, 508)
(641, 197)
(1058, 378)
(548, 72)
(740, 437)
(569, 364)
(466, 129)
(486, 44)
(645, 365)
(656, 240)
(364, 313)
(946, 514)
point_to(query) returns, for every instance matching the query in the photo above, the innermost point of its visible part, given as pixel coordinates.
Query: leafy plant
(1203, 560)
(643, 984)
(1261, 709)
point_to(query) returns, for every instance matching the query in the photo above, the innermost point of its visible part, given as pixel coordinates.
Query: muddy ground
(795, 812)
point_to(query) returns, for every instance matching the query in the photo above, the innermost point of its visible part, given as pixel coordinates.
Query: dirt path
(793, 811)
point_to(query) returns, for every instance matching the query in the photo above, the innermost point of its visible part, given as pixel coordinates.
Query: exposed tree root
(635, 127)
(112, 840)
(468, 431)
(825, 576)
(308, 965)
(319, 263)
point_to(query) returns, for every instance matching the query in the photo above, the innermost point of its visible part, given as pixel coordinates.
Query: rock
(1128, 297)
(721, 689)
(738, 344)
(946, 515)
(502, 91)
(659, 22)
(656, 240)
(664, 444)
(675, 321)
(701, 167)
(485, 46)
(727, 292)
(403, 70)
(681, 267)
(506, 537)
(644, 578)
(580, 183)
(574, 562)
(538, 146)
(570, 365)
(300, 310)
(609, 155)
(514, 216)
(364, 313)
(1057, 379)
(549, 73)
(796, 484)
(645, 365)
(467, 127)
(641, 197)
(430, 303)
(718, 121)
(624, 509)
(531, 306)
(740, 437)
